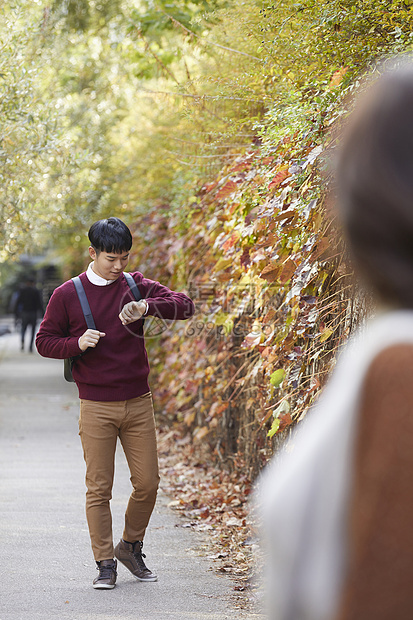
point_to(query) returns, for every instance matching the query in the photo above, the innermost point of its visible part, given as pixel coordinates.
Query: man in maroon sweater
(112, 378)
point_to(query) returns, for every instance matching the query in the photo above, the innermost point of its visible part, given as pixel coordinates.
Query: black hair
(110, 235)
(375, 178)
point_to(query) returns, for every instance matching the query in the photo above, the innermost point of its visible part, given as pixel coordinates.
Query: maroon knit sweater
(117, 368)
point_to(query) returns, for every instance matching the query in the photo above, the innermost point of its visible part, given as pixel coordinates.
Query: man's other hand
(90, 339)
(132, 311)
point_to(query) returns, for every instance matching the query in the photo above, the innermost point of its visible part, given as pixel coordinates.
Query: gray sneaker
(106, 580)
(131, 556)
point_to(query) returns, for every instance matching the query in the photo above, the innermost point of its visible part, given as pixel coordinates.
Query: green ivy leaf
(277, 377)
(274, 428)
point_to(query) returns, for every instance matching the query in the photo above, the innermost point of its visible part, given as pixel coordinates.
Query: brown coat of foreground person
(338, 504)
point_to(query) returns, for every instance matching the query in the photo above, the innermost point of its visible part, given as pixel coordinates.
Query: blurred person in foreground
(111, 374)
(338, 507)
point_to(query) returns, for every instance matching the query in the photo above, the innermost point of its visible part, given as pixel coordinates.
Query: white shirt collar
(95, 279)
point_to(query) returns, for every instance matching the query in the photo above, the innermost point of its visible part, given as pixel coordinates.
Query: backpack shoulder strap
(133, 286)
(134, 289)
(84, 303)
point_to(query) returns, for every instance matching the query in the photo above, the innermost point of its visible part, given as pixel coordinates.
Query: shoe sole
(103, 586)
(154, 578)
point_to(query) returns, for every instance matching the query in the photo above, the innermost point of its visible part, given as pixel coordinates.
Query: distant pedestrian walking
(111, 373)
(28, 305)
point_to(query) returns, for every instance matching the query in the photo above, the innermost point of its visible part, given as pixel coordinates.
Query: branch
(200, 97)
(208, 144)
(222, 47)
(158, 60)
(227, 156)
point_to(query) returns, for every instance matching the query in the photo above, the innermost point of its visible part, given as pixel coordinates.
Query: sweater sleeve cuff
(73, 347)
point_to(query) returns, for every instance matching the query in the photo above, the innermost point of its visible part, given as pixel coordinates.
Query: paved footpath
(46, 566)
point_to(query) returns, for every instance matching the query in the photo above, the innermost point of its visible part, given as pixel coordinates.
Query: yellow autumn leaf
(189, 418)
(200, 433)
(326, 334)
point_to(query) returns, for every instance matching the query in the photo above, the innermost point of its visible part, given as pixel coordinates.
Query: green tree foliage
(27, 127)
(134, 121)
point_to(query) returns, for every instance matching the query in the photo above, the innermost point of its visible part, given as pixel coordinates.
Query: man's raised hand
(132, 311)
(90, 339)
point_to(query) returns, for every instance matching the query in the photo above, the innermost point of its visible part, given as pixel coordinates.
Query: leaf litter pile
(215, 502)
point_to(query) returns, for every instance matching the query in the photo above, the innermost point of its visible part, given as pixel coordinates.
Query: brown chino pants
(100, 424)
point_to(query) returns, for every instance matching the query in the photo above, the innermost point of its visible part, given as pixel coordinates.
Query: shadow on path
(47, 565)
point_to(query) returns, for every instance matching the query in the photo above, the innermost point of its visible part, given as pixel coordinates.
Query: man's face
(109, 265)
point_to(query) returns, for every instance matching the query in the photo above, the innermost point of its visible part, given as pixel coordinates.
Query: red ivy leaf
(245, 258)
(288, 269)
(285, 420)
(271, 272)
(230, 242)
(285, 215)
(209, 186)
(240, 167)
(228, 189)
(279, 178)
(320, 248)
